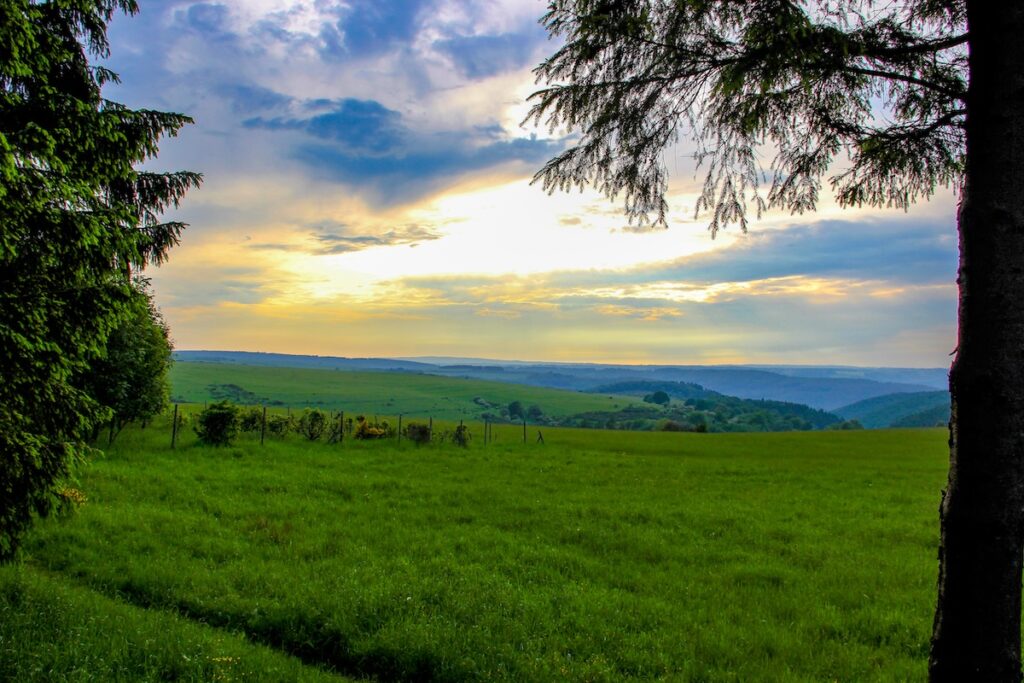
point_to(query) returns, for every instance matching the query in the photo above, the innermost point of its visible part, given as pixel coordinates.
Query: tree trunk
(976, 633)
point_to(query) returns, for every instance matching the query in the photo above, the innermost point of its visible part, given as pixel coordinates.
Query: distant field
(600, 555)
(383, 393)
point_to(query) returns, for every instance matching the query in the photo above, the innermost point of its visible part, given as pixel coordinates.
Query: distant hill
(386, 394)
(287, 360)
(701, 398)
(936, 378)
(919, 409)
(824, 387)
(933, 417)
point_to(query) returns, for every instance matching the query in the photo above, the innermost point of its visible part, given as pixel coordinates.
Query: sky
(367, 193)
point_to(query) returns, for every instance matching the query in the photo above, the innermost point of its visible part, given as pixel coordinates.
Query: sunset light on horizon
(367, 193)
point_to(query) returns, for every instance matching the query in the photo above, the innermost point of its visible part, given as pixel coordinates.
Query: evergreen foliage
(130, 379)
(804, 80)
(76, 222)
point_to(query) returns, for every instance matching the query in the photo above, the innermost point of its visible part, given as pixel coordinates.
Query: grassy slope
(600, 556)
(54, 630)
(380, 393)
(883, 411)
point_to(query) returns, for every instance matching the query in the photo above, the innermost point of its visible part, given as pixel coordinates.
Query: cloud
(206, 17)
(331, 237)
(894, 250)
(357, 126)
(250, 98)
(338, 239)
(483, 56)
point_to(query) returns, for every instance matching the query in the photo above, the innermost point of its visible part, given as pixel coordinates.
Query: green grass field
(596, 556)
(383, 393)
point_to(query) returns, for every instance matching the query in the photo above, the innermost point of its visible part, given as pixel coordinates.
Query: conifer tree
(76, 222)
(910, 96)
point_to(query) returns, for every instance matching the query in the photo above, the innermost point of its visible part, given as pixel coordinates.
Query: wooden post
(430, 428)
(174, 426)
(263, 425)
(342, 418)
(524, 430)
(399, 430)
(485, 432)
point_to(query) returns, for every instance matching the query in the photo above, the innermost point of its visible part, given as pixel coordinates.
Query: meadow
(384, 393)
(599, 555)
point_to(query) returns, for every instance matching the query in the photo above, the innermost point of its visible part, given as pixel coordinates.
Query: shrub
(251, 420)
(312, 423)
(279, 425)
(846, 424)
(418, 433)
(460, 436)
(670, 426)
(335, 430)
(217, 425)
(366, 430)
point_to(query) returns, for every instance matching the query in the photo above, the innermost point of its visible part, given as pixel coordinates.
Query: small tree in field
(312, 423)
(658, 397)
(418, 433)
(217, 425)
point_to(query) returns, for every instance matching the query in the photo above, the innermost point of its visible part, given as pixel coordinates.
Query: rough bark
(977, 633)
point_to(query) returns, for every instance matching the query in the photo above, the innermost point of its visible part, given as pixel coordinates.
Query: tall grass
(596, 556)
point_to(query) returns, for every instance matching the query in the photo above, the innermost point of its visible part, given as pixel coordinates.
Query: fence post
(263, 425)
(399, 430)
(342, 418)
(174, 426)
(430, 428)
(524, 430)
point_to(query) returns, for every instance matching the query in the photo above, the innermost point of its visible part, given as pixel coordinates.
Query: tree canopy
(77, 221)
(879, 87)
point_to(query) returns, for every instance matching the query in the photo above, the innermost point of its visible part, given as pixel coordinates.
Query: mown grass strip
(53, 630)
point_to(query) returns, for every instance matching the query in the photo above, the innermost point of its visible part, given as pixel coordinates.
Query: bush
(335, 430)
(217, 425)
(366, 430)
(251, 420)
(280, 425)
(846, 424)
(418, 433)
(312, 423)
(460, 437)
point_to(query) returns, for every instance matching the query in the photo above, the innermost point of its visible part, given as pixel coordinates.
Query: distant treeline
(698, 409)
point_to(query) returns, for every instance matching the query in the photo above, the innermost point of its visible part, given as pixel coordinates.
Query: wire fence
(284, 423)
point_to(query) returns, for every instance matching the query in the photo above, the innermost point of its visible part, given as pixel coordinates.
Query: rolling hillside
(919, 409)
(383, 393)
